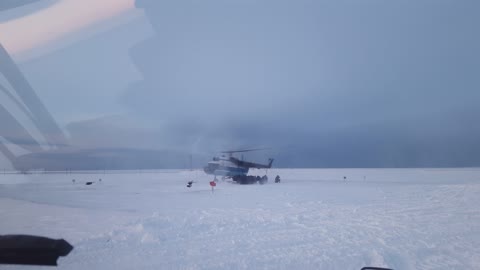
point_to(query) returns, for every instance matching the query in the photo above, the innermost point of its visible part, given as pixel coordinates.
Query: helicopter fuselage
(224, 167)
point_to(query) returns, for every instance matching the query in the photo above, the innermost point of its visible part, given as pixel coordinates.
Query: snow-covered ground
(398, 218)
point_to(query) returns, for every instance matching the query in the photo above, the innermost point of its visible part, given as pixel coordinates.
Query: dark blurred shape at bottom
(32, 250)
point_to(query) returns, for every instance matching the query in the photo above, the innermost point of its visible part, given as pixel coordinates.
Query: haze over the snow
(322, 83)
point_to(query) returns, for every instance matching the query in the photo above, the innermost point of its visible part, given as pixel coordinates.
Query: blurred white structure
(26, 125)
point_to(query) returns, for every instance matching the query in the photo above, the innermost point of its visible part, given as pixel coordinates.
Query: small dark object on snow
(100, 180)
(277, 179)
(32, 250)
(88, 183)
(189, 184)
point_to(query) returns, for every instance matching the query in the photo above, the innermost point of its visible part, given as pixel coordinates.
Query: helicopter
(229, 166)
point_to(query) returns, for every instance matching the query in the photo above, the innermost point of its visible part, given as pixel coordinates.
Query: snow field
(403, 219)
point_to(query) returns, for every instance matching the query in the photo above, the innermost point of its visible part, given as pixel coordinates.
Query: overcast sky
(323, 83)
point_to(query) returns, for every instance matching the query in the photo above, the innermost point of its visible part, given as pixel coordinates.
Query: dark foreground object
(32, 250)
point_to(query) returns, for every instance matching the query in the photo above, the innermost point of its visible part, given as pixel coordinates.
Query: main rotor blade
(243, 150)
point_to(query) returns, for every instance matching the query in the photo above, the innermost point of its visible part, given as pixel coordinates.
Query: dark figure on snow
(189, 184)
(277, 179)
